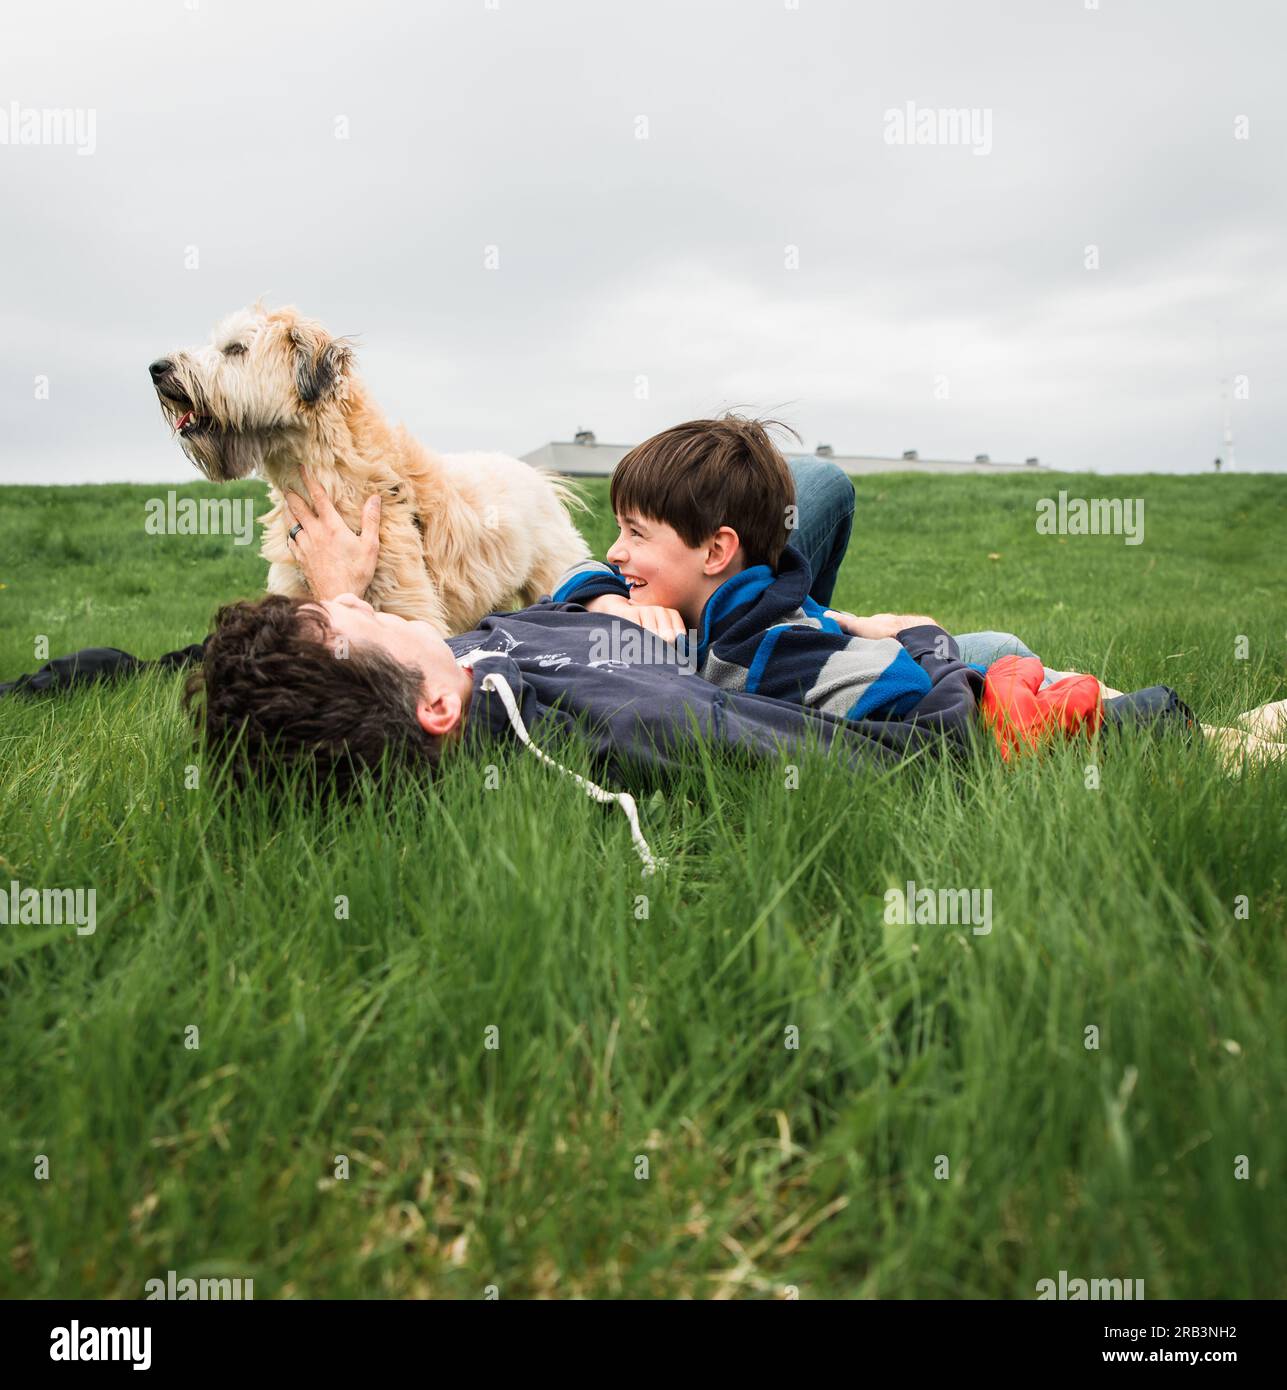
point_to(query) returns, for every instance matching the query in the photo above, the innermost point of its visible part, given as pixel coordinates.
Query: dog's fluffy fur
(461, 535)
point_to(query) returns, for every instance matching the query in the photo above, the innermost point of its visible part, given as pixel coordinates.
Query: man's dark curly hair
(276, 691)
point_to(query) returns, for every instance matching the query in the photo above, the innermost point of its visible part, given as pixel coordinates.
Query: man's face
(444, 691)
(657, 564)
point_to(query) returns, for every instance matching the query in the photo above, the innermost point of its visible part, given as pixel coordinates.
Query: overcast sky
(769, 245)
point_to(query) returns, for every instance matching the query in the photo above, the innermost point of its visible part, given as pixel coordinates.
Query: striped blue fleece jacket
(761, 632)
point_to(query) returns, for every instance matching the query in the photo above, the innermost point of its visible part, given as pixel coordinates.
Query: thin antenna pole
(1228, 430)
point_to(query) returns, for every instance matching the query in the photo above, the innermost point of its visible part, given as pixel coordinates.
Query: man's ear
(721, 550)
(321, 362)
(439, 715)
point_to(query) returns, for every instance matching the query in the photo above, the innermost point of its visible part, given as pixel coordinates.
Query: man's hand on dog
(665, 622)
(333, 559)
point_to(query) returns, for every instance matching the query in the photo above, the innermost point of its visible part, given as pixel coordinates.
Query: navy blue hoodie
(641, 708)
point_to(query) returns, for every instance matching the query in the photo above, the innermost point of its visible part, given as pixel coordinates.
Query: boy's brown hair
(273, 694)
(704, 474)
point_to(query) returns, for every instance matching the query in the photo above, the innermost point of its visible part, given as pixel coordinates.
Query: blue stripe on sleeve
(591, 573)
(900, 687)
(813, 609)
(762, 654)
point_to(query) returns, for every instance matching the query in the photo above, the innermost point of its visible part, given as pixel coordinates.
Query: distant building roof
(587, 458)
(911, 462)
(593, 460)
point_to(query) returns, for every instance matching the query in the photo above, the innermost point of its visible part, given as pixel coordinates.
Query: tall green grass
(651, 1019)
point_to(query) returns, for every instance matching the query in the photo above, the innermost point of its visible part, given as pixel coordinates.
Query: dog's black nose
(160, 367)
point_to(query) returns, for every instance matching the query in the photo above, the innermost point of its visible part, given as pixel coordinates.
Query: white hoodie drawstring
(500, 685)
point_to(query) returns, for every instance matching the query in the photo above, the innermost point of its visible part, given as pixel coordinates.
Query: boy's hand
(665, 622)
(879, 624)
(333, 559)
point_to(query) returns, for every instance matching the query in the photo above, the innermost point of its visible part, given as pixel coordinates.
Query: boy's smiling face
(661, 569)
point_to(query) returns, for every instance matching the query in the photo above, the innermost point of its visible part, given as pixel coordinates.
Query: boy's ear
(439, 715)
(721, 550)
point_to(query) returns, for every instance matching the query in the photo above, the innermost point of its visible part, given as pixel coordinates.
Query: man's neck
(465, 689)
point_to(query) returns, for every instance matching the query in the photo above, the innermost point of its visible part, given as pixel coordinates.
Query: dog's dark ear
(320, 363)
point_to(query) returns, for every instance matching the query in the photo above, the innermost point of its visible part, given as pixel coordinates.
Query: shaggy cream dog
(461, 535)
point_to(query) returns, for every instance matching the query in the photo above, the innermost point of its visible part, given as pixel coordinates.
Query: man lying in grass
(336, 688)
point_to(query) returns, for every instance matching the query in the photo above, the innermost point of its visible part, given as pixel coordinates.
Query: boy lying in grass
(706, 555)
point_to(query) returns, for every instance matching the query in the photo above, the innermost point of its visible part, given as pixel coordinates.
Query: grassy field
(942, 1128)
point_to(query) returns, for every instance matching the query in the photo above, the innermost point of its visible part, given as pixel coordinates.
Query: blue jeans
(983, 648)
(825, 513)
(824, 499)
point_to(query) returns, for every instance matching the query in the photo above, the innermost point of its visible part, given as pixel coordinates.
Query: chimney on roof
(910, 455)
(583, 437)
(825, 451)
